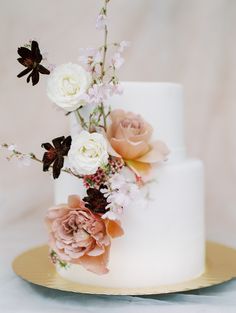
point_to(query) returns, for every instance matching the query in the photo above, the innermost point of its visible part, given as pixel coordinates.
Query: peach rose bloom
(129, 135)
(78, 236)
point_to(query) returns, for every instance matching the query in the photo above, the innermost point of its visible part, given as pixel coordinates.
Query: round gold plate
(35, 267)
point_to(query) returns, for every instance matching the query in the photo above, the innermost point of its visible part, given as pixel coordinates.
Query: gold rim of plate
(35, 267)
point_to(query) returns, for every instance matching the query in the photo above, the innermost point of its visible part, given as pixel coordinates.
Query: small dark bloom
(95, 201)
(55, 154)
(31, 59)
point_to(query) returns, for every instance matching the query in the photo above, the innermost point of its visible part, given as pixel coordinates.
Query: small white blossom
(24, 160)
(90, 56)
(117, 181)
(119, 194)
(123, 45)
(110, 215)
(51, 67)
(117, 61)
(11, 147)
(98, 93)
(101, 21)
(115, 89)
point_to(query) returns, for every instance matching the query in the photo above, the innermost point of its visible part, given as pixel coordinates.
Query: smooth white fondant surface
(164, 238)
(164, 234)
(161, 104)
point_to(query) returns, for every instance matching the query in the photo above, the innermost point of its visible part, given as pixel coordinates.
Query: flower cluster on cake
(109, 142)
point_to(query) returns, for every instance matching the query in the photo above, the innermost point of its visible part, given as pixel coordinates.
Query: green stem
(34, 158)
(66, 170)
(104, 116)
(104, 52)
(81, 119)
(103, 65)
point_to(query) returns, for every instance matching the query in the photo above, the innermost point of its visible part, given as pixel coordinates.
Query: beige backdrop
(187, 41)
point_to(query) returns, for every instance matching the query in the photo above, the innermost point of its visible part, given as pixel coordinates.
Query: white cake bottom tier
(164, 239)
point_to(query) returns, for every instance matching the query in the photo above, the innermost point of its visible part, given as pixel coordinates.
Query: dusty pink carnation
(78, 236)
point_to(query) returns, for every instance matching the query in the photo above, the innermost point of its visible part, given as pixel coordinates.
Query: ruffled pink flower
(129, 135)
(78, 236)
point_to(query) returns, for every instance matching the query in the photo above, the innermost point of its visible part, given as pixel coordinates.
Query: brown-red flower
(31, 59)
(55, 154)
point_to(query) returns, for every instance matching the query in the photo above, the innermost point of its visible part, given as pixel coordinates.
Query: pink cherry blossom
(117, 61)
(24, 160)
(116, 181)
(110, 215)
(11, 147)
(115, 89)
(123, 45)
(98, 93)
(101, 21)
(90, 56)
(119, 194)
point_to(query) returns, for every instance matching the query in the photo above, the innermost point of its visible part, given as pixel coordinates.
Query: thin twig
(66, 170)
(35, 158)
(81, 119)
(103, 64)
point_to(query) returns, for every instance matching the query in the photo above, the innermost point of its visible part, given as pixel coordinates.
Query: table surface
(17, 295)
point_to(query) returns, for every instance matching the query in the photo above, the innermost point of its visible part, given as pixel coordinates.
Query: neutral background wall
(186, 41)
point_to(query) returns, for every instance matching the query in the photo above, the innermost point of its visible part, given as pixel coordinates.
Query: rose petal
(129, 150)
(117, 114)
(116, 117)
(157, 153)
(74, 202)
(113, 228)
(139, 168)
(110, 149)
(96, 264)
(144, 136)
(56, 211)
(96, 251)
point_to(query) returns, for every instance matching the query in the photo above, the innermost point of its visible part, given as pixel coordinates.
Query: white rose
(67, 86)
(88, 152)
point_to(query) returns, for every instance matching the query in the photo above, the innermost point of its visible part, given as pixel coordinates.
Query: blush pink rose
(129, 135)
(78, 236)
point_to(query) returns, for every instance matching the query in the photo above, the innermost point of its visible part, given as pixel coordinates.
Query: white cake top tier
(160, 104)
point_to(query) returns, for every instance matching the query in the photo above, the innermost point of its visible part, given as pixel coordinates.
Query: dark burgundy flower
(95, 201)
(55, 154)
(31, 59)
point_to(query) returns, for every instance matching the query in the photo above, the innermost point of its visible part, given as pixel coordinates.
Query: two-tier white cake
(164, 239)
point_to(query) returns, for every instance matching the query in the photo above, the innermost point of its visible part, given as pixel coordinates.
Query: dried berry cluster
(101, 176)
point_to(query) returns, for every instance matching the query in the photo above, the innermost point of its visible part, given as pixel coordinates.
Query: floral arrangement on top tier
(109, 141)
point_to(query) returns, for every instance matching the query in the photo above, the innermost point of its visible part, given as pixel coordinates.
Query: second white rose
(88, 152)
(67, 86)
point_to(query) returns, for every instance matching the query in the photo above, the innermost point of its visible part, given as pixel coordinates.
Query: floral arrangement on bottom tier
(108, 144)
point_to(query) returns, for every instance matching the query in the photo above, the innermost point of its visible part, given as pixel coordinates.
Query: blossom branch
(81, 119)
(104, 52)
(32, 156)
(103, 63)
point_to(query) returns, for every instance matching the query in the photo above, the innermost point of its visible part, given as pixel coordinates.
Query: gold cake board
(34, 266)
